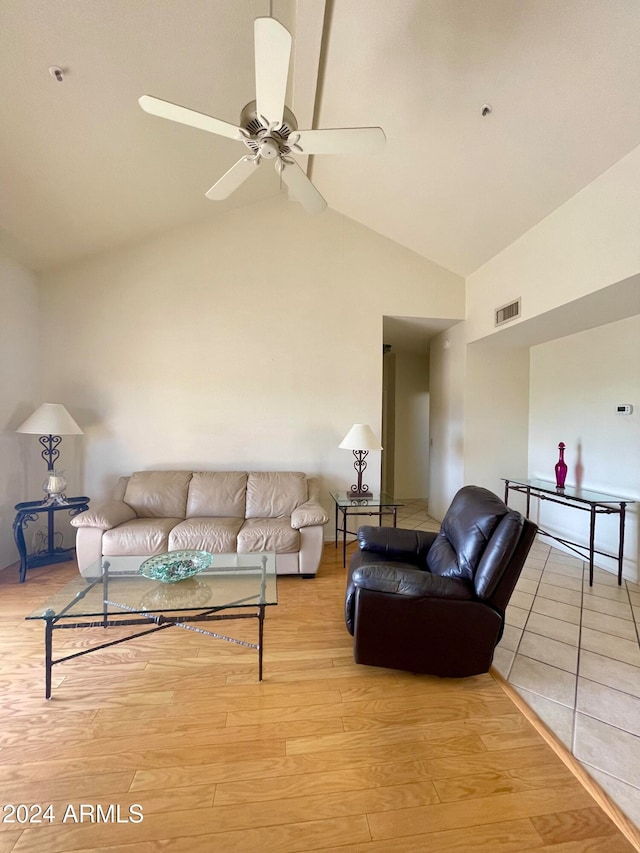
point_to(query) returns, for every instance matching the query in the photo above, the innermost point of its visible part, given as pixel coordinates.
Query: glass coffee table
(112, 592)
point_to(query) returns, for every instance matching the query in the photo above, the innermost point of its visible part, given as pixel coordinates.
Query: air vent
(508, 312)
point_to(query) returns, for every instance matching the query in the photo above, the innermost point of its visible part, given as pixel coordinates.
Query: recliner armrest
(308, 514)
(396, 542)
(105, 516)
(386, 577)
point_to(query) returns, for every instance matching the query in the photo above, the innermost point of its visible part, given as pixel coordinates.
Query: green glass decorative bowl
(176, 565)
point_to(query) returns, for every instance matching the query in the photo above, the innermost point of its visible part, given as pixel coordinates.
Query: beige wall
(388, 441)
(576, 384)
(411, 469)
(447, 358)
(249, 341)
(19, 380)
(496, 414)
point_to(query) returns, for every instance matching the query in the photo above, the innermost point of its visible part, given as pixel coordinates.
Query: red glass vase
(561, 468)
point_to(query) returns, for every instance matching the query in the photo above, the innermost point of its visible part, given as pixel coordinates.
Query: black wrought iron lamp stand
(50, 453)
(360, 489)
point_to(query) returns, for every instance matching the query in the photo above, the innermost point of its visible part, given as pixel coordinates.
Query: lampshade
(50, 419)
(360, 437)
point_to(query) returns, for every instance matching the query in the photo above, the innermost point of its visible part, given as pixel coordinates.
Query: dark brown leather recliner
(434, 602)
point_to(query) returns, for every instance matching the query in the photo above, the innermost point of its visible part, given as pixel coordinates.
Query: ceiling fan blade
(302, 189)
(232, 179)
(273, 48)
(173, 112)
(346, 140)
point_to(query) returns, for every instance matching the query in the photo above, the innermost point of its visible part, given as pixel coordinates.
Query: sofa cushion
(120, 489)
(141, 536)
(158, 494)
(217, 494)
(275, 494)
(216, 535)
(268, 534)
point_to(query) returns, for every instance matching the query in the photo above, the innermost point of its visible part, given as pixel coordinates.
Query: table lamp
(51, 421)
(361, 440)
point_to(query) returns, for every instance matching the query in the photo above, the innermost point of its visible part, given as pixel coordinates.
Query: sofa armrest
(386, 577)
(395, 542)
(308, 514)
(105, 516)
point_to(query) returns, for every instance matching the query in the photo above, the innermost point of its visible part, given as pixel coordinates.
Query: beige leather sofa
(153, 512)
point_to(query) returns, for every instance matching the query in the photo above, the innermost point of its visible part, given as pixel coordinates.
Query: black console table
(595, 503)
(52, 553)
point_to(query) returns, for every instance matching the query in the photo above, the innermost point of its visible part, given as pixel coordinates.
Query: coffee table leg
(48, 656)
(260, 636)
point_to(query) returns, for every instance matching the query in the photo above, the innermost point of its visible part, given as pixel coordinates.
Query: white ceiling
(83, 168)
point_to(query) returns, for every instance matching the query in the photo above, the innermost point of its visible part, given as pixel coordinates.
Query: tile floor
(573, 653)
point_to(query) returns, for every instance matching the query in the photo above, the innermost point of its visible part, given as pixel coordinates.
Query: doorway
(406, 343)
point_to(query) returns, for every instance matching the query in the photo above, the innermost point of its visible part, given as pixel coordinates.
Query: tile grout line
(633, 613)
(524, 627)
(586, 764)
(574, 727)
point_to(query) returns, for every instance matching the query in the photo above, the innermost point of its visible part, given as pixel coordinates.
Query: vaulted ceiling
(83, 168)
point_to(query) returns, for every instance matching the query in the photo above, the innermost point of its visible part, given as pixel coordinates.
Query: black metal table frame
(594, 508)
(347, 511)
(211, 614)
(29, 511)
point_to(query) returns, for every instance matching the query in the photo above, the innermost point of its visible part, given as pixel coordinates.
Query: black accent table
(30, 511)
(595, 503)
(378, 504)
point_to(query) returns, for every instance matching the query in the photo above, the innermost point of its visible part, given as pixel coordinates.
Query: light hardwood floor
(322, 755)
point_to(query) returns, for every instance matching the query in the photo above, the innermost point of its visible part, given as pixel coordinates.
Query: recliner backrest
(471, 521)
(498, 553)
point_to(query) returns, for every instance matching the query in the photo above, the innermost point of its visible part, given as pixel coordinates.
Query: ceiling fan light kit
(268, 128)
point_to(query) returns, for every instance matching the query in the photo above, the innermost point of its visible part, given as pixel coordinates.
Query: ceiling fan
(268, 128)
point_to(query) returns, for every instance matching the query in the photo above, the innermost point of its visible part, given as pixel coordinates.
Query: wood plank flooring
(322, 756)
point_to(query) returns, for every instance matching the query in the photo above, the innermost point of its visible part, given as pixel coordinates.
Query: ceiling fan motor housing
(269, 142)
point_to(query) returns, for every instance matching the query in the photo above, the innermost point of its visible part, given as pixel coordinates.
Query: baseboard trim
(626, 826)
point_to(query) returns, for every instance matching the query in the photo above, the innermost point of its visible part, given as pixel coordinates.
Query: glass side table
(379, 504)
(51, 551)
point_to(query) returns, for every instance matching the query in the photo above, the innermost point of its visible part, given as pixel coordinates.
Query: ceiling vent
(508, 312)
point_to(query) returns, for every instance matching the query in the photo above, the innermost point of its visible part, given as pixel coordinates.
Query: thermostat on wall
(624, 409)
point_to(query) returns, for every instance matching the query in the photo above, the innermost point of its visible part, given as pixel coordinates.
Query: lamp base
(356, 494)
(54, 487)
(57, 500)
